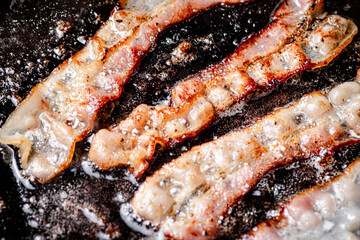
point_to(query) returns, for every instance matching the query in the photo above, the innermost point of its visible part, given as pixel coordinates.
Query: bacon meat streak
(331, 211)
(61, 110)
(187, 196)
(262, 62)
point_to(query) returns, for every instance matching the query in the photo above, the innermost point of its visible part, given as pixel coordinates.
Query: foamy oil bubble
(135, 222)
(9, 157)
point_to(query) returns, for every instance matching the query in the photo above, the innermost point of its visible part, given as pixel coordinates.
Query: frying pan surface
(84, 202)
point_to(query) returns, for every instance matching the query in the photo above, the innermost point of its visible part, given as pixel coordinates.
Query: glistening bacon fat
(331, 211)
(286, 47)
(61, 110)
(187, 196)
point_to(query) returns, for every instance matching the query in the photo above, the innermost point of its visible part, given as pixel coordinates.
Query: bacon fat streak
(61, 110)
(187, 196)
(281, 50)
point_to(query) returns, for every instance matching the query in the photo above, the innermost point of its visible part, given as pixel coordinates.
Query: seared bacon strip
(262, 62)
(187, 196)
(331, 211)
(61, 110)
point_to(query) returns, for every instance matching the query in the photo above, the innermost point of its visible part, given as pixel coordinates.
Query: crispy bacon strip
(61, 110)
(187, 196)
(331, 211)
(262, 62)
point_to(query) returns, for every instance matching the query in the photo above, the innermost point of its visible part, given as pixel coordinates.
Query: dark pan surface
(84, 202)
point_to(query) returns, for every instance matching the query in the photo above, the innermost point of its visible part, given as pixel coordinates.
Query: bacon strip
(262, 62)
(61, 110)
(331, 211)
(187, 196)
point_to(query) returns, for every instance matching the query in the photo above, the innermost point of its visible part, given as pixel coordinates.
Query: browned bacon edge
(187, 196)
(307, 210)
(61, 110)
(262, 62)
